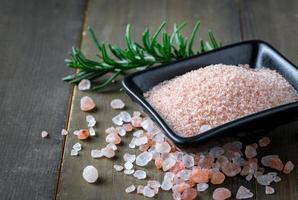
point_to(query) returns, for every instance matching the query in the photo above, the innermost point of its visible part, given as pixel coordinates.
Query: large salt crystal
(87, 104)
(121, 131)
(141, 140)
(84, 84)
(201, 187)
(153, 184)
(289, 166)
(128, 165)
(112, 146)
(83, 134)
(144, 158)
(77, 146)
(64, 132)
(162, 147)
(269, 190)
(140, 174)
(217, 151)
(129, 171)
(264, 179)
(113, 138)
(167, 183)
(136, 114)
(148, 192)
(132, 144)
(91, 131)
(272, 161)
(244, 193)
(96, 153)
(74, 152)
(117, 104)
(168, 163)
(117, 120)
(221, 193)
(90, 120)
(204, 128)
(148, 125)
(129, 157)
(125, 116)
(90, 174)
(130, 189)
(250, 151)
(108, 152)
(188, 161)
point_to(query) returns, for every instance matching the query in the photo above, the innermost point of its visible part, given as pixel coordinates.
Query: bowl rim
(180, 140)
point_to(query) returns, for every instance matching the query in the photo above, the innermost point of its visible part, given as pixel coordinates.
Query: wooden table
(35, 38)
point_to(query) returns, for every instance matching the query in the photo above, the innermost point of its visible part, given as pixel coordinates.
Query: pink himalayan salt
(158, 163)
(87, 104)
(179, 165)
(199, 175)
(272, 161)
(113, 138)
(221, 193)
(189, 194)
(217, 94)
(250, 151)
(136, 121)
(217, 178)
(180, 187)
(127, 127)
(230, 169)
(269, 190)
(83, 134)
(265, 141)
(289, 166)
(44, 134)
(64, 132)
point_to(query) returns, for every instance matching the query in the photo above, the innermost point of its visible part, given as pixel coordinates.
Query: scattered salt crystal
(136, 121)
(74, 152)
(90, 120)
(217, 151)
(117, 104)
(121, 131)
(138, 133)
(277, 179)
(289, 166)
(144, 158)
(153, 184)
(127, 127)
(168, 163)
(118, 168)
(91, 131)
(148, 125)
(162, 147)
(244, 193)
(44, 134)
(112, 146)
(136, 114)
(108, 152)
(272, 161)
(129, 171)
(264, 180)
(90, 174)
(188, 161)
(117, 120)
(140, 189)
(148, 192)
(250, 151)
(129, 157)
(141, 140)
(111, 130)
(269, 190)
(113, 138)
(132, 144)
(231, 169)
(201, 187)
(265, 141)
(84, 84)
(128, 165)
(77, 146)
(221, 193)
(96, 153)
(204, 128)
(87, 104)
(83, 134)
(125, 116)
(140, 174)
(130, 189)
(249, 177)
(64, 132)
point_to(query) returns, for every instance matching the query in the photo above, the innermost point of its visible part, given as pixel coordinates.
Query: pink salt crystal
(206, 161)
(199, 175)
(250, 151)
(230, 169)
(189, 194)
(64, 132)
(117, 104)
(168, 163)
(87, 104)
(221, 193)
(217, 94)
(127, 127)
(179, 165)
(217, 178)
(83, 134)
(265, 141)
(108, 152)
(272, 161)
(44, 134)
(130, 189)
(158, 163)
(136, 121)
(162, 147)
(84, 84)
(113, 138)
(244, 193)
(269, 190)
(111, 130)
(180, 187)
(140, 189)
(289, 166)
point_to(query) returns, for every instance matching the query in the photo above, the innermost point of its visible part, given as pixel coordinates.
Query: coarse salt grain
(117, 104)
(217, 94)
(84, 84)
(44, 134)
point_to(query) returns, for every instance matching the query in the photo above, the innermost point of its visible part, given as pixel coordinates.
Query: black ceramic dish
(255, 53)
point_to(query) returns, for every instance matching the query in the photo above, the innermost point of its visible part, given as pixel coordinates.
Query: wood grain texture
(35, 37)
(276, 22)
(109, 18)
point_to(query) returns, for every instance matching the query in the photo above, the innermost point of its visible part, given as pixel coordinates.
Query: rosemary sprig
(135, 56)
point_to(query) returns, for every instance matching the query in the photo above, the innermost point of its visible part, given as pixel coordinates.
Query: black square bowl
(255, 53)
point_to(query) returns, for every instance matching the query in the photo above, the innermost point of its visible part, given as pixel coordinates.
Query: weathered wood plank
(109, 20)
(276, 22)
(35, 36)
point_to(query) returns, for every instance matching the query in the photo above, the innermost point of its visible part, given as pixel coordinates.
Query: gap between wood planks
(72, 92)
